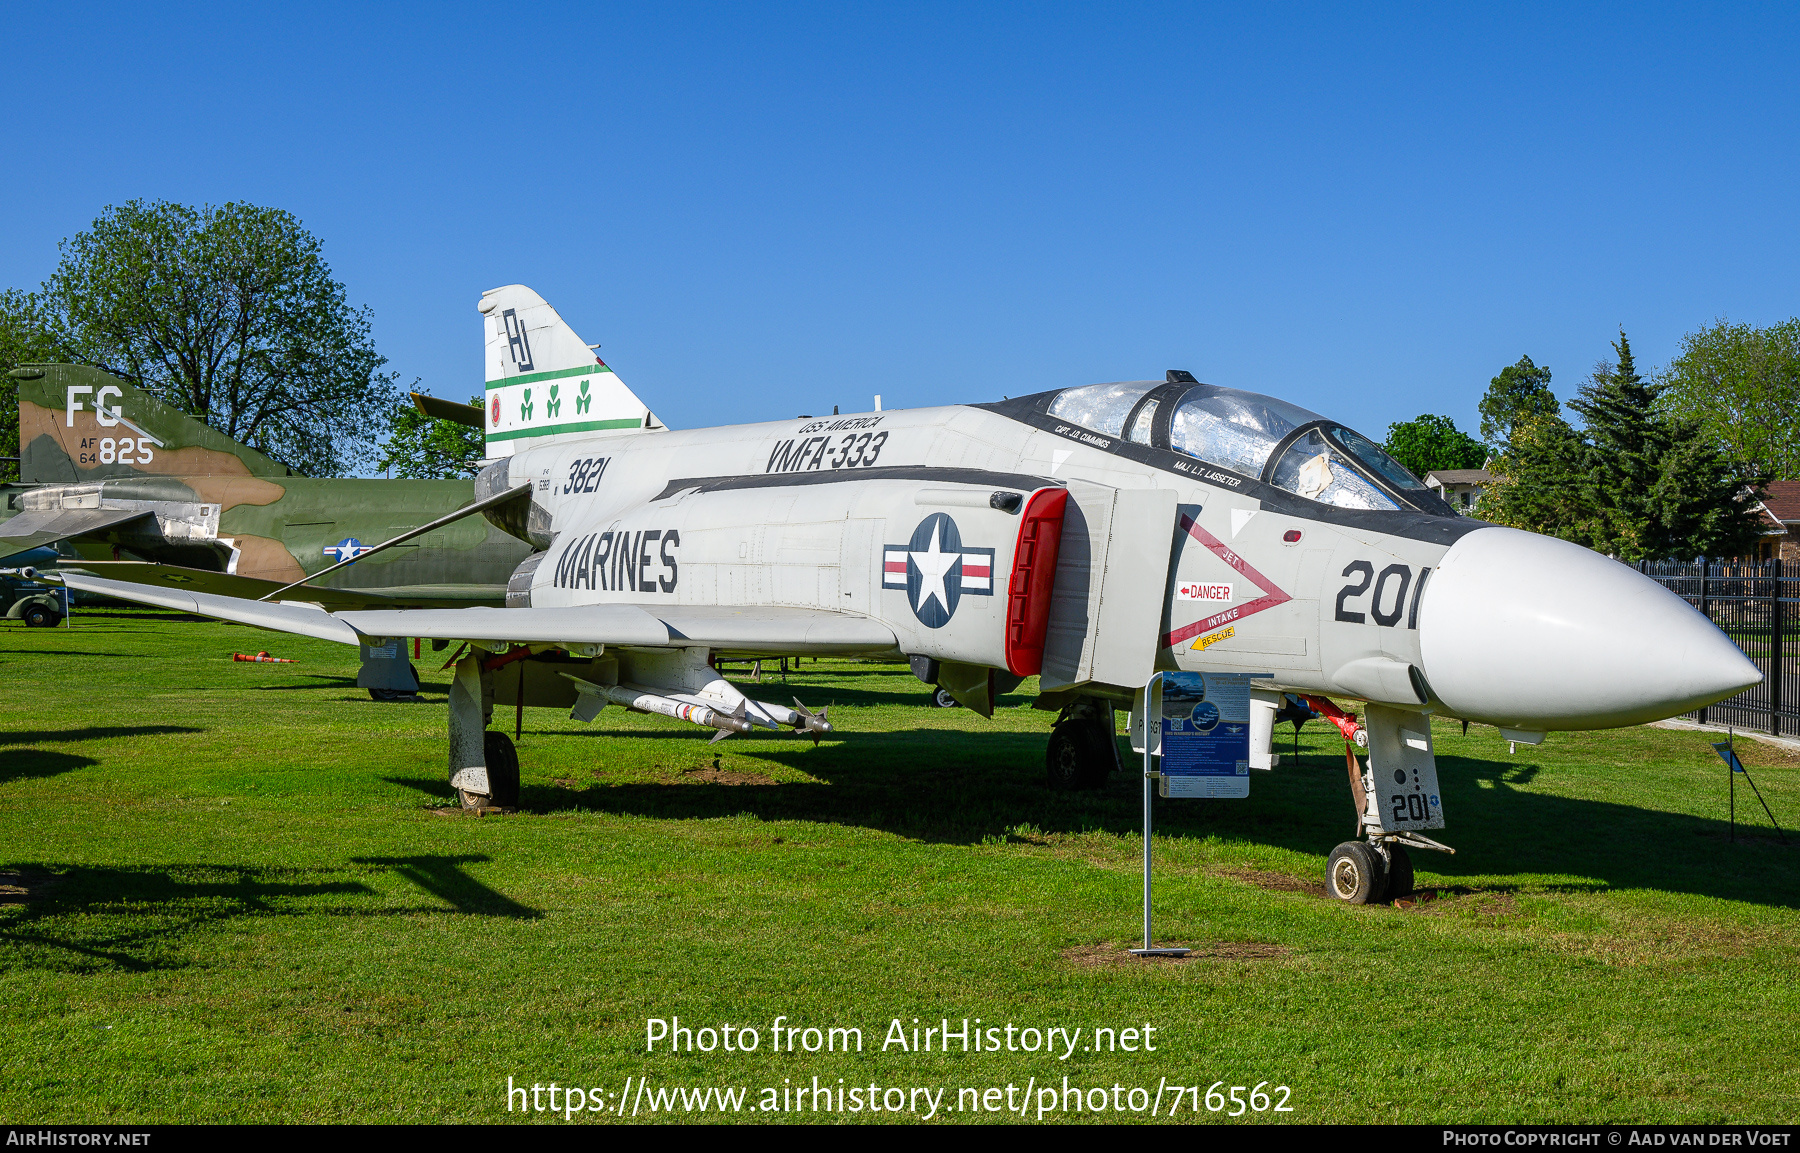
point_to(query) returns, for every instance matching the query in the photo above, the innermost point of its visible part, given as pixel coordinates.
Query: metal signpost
(1734, 766)
(1199, 724)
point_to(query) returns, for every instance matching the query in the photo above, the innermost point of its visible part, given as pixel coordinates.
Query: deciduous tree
(1430, 443)
(28, 335)
(426, 449)
(231, 314)
(1537, 482)
(1741, 384)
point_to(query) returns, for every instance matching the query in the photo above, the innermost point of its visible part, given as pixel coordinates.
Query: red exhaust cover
(1034, 571)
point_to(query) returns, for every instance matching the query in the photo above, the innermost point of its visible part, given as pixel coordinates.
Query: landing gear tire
(40, 617)
(1356, 874)
(941, 699)
(1078, 757)
(393, 695)
(503, 770)
(1399, 872)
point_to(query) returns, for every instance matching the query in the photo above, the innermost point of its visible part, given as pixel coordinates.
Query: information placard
(1206, 734)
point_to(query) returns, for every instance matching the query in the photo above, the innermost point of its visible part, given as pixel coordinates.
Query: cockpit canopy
(1252, 435)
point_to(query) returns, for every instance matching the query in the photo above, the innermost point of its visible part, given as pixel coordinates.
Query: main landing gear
(503, 773)
(677, 683)
(1083, 748)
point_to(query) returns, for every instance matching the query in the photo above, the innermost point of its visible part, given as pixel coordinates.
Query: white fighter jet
(1089, 536)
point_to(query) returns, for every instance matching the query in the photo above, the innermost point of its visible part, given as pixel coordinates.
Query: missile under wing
(1089, 536)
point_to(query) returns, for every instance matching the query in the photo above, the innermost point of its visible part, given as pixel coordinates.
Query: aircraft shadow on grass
(444, 877)
(916, 784)
(19, 763)
(91, 733)
(29, 764)
(311, 681)
(91, 918)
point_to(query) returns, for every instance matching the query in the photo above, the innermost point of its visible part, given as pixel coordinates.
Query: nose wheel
(1356, 874)
(1360, 873)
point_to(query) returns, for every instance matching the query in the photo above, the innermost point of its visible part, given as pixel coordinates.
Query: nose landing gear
(1395, 792)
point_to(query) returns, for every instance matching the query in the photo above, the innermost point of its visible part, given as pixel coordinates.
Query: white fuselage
(811, 513)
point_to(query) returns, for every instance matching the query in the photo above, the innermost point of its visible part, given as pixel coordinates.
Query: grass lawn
(233, 897)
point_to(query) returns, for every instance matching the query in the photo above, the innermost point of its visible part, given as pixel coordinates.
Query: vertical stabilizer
(79, 424)
(544, 382)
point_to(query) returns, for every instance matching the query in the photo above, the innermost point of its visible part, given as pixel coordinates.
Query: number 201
(1391, 586)
(1410, 807)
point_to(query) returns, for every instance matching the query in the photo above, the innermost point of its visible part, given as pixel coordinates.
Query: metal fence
(1756, 606)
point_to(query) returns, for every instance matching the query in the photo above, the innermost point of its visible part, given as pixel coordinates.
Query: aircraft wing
(771, 630)
(37, 527)
(251, 588)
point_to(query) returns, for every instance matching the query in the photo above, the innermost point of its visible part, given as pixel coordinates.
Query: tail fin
(543, 382)
(80, 424)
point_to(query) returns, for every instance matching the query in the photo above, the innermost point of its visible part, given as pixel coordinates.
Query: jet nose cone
(1531, 632)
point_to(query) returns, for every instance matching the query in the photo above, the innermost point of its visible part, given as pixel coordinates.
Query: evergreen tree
(1637, 482)
(1537, 483)
(1520, 393)
(1658, 488)
(1625, 444)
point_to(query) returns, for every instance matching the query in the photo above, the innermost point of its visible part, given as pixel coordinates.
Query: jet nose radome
(1530, 632)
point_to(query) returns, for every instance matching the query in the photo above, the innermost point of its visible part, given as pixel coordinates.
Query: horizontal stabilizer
(36, 527)
(758, 630)
(254, 588)
(299, 619)
(468, 414)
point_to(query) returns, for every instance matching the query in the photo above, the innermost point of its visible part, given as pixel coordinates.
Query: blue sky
(760, 211)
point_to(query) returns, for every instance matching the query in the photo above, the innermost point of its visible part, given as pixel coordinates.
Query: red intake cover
(1034, 571)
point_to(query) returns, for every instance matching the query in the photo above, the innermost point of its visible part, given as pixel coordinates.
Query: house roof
(1480, 476)
(1784, 500)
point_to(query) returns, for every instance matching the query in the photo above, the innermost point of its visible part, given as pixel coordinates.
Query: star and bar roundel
(937, 570)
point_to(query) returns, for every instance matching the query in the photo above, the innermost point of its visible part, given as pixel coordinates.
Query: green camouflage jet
(144, 493)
